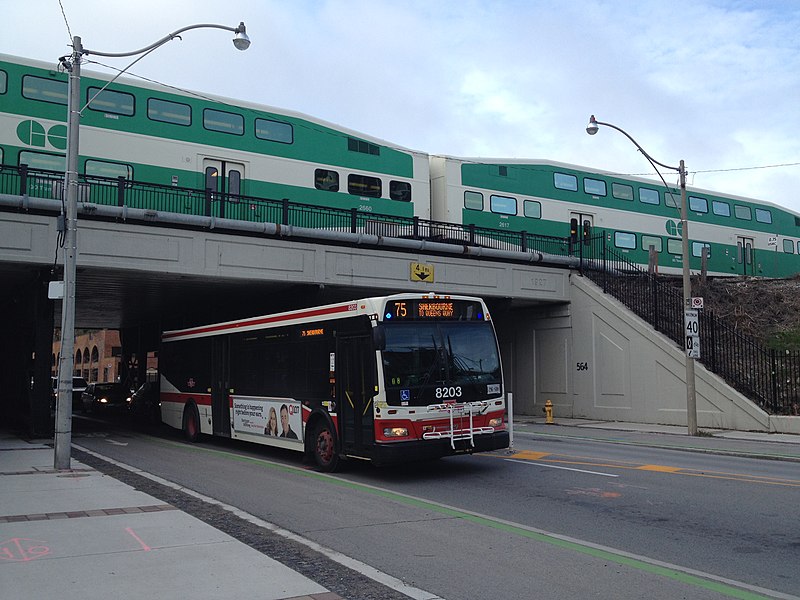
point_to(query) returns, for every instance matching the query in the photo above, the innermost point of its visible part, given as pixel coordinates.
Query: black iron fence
(769, 377)
(121, 192)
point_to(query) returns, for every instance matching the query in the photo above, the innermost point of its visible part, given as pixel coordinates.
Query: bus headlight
(496, 422)
(395, 432)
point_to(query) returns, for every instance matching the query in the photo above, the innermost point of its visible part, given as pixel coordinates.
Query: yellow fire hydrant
(548, 412)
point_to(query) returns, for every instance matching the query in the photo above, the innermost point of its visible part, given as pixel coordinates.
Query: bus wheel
(325, 454)
(191, 423)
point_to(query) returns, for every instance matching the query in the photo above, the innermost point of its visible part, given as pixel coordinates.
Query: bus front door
(220, 382)
(356, 383)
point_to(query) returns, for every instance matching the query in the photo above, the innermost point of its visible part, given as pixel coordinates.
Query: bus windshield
(432, 362)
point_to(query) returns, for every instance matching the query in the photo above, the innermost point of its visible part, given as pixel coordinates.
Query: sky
(715, 83)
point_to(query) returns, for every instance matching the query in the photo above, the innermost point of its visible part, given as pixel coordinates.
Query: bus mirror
(379, 337)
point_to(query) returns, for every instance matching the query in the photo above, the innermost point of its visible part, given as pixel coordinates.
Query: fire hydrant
(548, 412)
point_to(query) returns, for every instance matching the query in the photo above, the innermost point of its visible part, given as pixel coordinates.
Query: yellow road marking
(659, 468)
(585, 461)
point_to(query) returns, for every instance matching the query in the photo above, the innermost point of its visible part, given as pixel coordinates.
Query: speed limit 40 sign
(691, 329)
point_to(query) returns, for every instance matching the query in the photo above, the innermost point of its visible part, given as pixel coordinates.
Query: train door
(355, 368)
(580, 227)
(223, 183)
(220, 384)
(745, 255)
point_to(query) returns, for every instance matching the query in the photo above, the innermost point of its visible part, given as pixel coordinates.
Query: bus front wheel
(325, 454)
(191, 423)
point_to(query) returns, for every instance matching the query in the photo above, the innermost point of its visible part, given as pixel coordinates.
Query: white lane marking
(351, 563)
(527, 462)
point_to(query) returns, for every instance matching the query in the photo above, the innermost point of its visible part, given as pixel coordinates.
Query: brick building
(98, 355)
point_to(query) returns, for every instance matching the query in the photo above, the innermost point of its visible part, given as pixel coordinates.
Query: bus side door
(220, 384)
(355, 377)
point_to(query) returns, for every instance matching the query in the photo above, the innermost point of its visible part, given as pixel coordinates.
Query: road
(562, 517)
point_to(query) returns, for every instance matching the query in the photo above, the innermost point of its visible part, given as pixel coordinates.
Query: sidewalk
(81, 534)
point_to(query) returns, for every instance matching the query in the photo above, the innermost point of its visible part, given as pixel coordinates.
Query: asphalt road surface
(562, 517)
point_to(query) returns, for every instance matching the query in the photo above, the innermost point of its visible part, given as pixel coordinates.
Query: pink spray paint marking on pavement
(22, 550)
(144, 546)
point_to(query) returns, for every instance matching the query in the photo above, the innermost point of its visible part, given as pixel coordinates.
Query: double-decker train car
(151, 133)
(741, 236)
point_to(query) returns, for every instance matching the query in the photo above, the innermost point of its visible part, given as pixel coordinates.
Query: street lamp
(691, 400)
(72, 63)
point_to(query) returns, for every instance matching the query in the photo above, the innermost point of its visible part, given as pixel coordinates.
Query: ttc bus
(387, 379)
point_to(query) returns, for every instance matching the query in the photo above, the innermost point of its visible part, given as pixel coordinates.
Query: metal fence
(769, 377)
(121, 192)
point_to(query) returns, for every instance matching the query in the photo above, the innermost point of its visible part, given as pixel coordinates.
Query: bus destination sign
(443, 309)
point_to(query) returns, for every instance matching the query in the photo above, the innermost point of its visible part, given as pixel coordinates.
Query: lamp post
(691, 399)
(72, 63)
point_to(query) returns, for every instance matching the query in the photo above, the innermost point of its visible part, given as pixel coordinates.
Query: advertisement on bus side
(276, 417)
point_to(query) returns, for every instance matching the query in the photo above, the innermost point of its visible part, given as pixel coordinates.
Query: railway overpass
(142, 272)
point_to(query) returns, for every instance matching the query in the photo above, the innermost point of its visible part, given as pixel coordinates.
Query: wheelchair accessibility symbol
(405, 395)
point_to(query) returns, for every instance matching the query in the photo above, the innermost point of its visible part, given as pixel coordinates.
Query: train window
(167, 111)
(504, 205)
(742, 212)
(1, 156)
(672, 200)
(675, 246)
(363, 185)
(326, 180)
(400, 190)
(562, 181)
(355, 145)
(648, 196)
(723, 209)
(622, 191)
(652, 240)
(594, 187)
(224, 122)
(624, 239)
(788, 246)
(3, 81)
(698, 205)
(46, 90)
(763, 215)
(473, 200)
(40, 160)
(798, 247)
(106, 101)
(532, 209)
(502, 170)
(102, 168)
(274, 131)
(697, 249)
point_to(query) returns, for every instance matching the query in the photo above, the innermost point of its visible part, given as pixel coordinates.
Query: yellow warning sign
(421, 272)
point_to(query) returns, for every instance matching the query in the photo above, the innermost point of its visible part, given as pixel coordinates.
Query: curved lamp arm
(241, 41)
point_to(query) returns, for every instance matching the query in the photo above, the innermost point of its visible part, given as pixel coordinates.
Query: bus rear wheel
(191, 423)
(324, 448)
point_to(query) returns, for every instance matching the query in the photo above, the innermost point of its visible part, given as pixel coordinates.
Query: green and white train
(150, 133)
(742, 236)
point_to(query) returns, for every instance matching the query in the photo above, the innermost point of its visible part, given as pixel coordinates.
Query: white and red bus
(390, 379)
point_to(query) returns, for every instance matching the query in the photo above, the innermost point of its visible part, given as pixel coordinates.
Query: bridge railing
(122, 192)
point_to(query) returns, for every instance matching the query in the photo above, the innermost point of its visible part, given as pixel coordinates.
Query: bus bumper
(397, 452)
